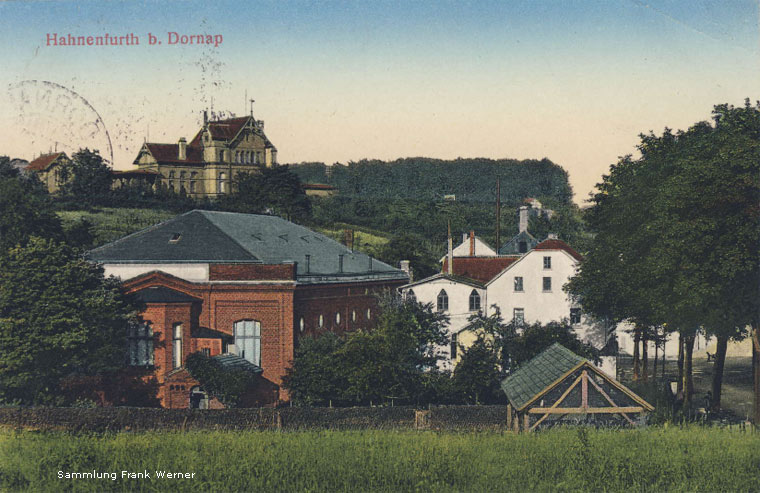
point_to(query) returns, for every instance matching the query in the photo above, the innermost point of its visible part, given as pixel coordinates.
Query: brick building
(242, 288)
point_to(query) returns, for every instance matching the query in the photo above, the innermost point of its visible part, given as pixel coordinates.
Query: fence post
(278, 421)
(421, 419)
(509, 416)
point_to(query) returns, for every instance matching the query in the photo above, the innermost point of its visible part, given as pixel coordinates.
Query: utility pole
(498, 214)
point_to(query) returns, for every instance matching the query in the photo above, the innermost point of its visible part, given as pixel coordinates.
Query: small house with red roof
(48, 169)
(206, 166)
(524, 288)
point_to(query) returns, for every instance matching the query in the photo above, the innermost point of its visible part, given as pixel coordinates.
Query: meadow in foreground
(654, 459)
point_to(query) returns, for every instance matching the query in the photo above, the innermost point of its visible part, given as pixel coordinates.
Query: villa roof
(555, 244)
(480, 269)
(44, 161)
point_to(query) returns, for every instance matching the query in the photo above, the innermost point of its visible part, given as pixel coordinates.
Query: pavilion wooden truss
(558, 386)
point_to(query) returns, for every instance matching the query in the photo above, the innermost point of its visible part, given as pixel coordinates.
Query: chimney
(348, 238)
(340, 263)
(524, 218)
(308, 264)
(205, 117)
(450, 269)
(472, 243)
(406, 268)
(182, 145)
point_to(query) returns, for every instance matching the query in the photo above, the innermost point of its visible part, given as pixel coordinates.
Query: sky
(572, 81)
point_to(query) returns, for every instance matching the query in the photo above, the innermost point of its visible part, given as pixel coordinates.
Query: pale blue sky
(337, 81)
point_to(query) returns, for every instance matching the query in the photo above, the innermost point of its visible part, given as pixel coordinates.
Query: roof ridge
(234, 240)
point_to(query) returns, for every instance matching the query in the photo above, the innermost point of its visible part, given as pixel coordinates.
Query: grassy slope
(654, 459)
(110, 223)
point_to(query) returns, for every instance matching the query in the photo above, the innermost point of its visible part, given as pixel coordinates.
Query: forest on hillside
(427, 179)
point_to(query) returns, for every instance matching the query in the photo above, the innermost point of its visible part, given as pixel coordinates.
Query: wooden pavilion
(560, 387)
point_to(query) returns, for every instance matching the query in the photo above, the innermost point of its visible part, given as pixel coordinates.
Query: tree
(393, 360)
(411, 247)
(226, 384)
(315, 377)
(666, 256)
(87, 178)
(25, 208)
(476, 377)
(276, 190)
(58, 317)
(534, 338)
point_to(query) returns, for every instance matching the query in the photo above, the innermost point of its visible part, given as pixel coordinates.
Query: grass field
(110, 223)
(653, 459)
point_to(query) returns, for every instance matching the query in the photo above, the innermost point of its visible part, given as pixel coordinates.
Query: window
(206, 352)
(321, 322)
(547, 283)
(369, 313)
(353, 315)
(175, 238)
(301, 324)
(171, 174)
(337, 318)
(453, 346)
(248, 340)
(411, 296)
(177, 346)
(547, 262)
(518, 283)
(474, 301)
(171, 185)
(140, 340)
(221, 185)
(523, 246)
(442, 301)
(575, 315)
(192, 187)
(518, 316)
(182, 175)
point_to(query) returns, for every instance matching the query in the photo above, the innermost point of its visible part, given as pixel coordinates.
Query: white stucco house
(525, 288)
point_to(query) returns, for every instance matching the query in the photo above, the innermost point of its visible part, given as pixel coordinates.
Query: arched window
(474, 301)
(410, 296)
(337, 318)
(443, 301)
(221, 184)
(248, 340)
(302, 324)
(321, 321)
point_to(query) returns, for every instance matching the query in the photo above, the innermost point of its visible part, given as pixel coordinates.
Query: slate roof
(226, 237)
(43, 162)
(169, 153)
(230, 361)
(480, 269)
(555, 244)
(539, 373)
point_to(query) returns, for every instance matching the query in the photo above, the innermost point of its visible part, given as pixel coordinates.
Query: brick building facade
(239, 284)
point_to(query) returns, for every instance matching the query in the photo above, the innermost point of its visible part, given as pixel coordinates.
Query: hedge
(288, 418)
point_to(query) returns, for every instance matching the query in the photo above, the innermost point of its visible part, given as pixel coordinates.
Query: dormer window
(175, 238)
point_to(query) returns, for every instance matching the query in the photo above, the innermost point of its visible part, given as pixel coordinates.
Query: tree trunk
(717, 381)
(688, 381)
(679, 385)
(636, 362)
(645, 354)
(656, 357)
(756, 369)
